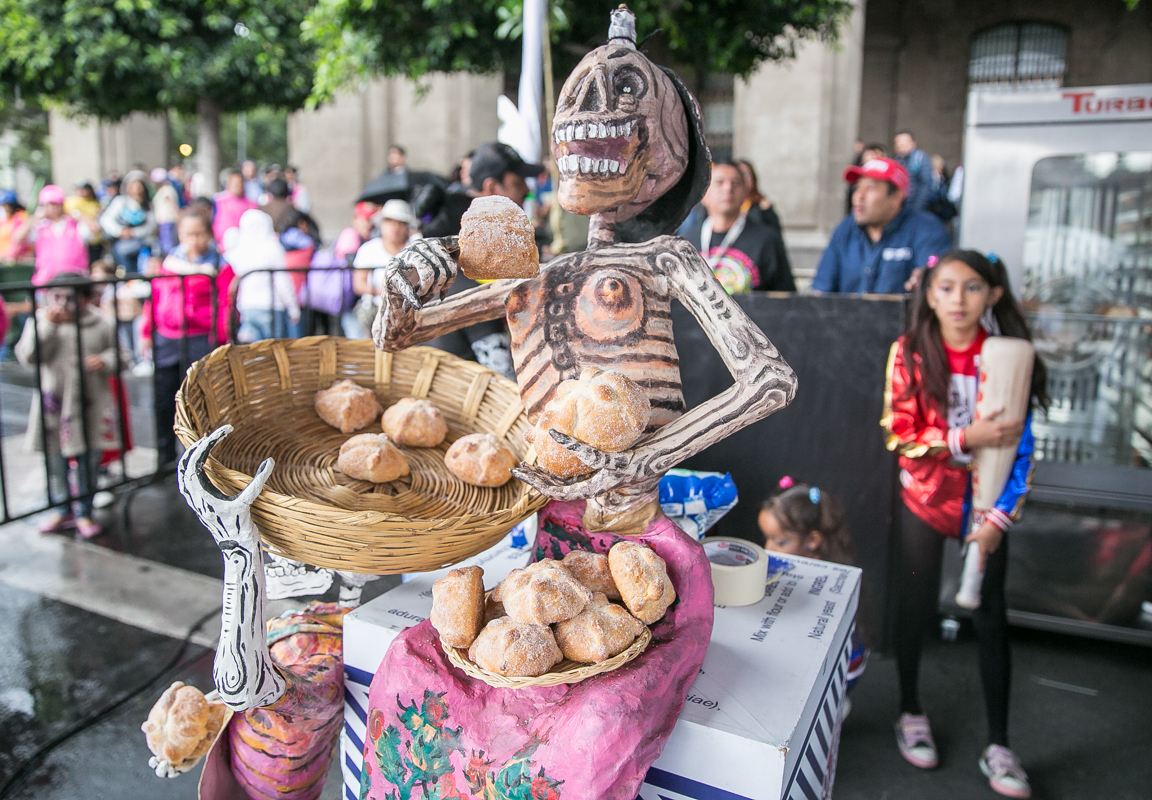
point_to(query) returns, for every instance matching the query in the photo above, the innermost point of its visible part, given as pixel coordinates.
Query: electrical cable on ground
(30, 764)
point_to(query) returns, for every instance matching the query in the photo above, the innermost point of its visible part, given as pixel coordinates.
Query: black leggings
(918, 595)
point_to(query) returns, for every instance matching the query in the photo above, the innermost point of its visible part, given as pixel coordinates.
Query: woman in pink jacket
(178, 324)
(61, 241)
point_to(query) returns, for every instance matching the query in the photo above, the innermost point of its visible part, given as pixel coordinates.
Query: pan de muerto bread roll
(480, 459)
(414, 423)
(347, 406)
(591, 569)
(515, 649)
(183, 724)
(497, 240)
(371, 457)
(458, 606)
(642, 578)
(543, 593)
(598, 632)
(605, 410)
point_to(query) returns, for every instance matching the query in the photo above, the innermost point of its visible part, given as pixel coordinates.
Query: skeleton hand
(216, 511)
(164, 769)
(613, 471)
(420, 273)
(285, 578)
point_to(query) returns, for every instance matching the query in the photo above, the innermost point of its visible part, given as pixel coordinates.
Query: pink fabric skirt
(433, 732)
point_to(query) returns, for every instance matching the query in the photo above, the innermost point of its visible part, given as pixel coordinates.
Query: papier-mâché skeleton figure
(629, 144)
(283, 678)
(627, 138)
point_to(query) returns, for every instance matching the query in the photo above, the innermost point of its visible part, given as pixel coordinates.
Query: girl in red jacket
(929, 401)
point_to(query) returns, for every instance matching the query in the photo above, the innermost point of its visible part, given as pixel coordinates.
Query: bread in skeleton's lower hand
(458, 606)
(181, 728)
(604, 410)
(543, 593)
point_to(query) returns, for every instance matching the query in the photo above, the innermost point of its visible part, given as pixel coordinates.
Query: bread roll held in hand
(543, 593)
(497, 240)
(592, 570)
(515, 649)
(183, 724)
(599, 632)
(642, 578)
(414, 423)
(346, 406)
(604, 410)
(458, 606)
(480, 459)
(371, 457)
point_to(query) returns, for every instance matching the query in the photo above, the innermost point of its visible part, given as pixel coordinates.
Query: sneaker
(59, 521)
(87, 528)
(103, 499)
(914, 738)
(1004, 772)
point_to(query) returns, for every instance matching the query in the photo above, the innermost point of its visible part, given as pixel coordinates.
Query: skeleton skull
(620, 136)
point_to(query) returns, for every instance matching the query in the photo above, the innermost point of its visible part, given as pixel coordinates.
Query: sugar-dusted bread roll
(371, 457)
(414, 423)
(591, 569)
(183, 724)
(605, 410)
(515, 649)
(543, 593)
(598, 632)
(458, 606)
(642, 578)
(497, 240)
(480, 459)
(347, 406)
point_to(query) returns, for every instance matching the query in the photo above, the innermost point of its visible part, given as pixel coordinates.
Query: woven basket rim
(564, 672)
(531, 501)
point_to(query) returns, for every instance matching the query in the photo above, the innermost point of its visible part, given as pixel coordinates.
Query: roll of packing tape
(739, 570)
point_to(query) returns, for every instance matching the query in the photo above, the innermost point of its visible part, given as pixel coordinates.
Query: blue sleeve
(932, 239)
(827, 277)
(1011, 500)
(296, 239)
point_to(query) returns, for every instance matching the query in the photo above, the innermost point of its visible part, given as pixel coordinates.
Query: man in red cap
(882, 245)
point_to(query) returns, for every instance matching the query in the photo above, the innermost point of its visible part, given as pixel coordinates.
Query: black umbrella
(398, 185)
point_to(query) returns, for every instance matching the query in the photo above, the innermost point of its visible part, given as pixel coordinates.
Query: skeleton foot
(352, 587)
(285, 578)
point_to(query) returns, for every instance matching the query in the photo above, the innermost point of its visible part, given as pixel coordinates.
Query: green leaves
(109, 58)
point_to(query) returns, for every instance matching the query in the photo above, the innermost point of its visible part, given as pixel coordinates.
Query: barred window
(1019, 55)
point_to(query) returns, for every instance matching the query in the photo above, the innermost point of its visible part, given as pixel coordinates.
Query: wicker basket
(564, 672)
(310, 512)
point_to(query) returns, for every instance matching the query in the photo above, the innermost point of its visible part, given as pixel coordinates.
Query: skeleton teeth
(603, 130)
(605, 166)
(568, 133)
(585, 164)
(612, 131)
(613, 167)
(579, 131)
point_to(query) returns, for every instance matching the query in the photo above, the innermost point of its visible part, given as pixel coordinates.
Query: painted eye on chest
(610, 305)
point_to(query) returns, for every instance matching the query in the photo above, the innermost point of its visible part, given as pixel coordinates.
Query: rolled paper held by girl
(1004, 382)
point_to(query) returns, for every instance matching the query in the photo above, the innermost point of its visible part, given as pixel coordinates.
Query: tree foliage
(357, 38)
(108, 58)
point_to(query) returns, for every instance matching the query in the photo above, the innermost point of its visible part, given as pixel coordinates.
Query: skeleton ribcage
(602, 308)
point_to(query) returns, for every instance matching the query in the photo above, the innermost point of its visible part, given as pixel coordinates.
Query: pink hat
(882, 169)
(158, 175)
(51, 194)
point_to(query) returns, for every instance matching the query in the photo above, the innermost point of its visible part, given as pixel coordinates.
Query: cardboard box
(762, 720)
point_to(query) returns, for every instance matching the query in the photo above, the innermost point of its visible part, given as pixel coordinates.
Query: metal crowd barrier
(25, 298)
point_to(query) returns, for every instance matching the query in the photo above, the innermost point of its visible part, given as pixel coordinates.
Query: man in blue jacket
(882, 246)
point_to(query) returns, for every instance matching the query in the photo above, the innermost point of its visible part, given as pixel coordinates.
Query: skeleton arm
(243, 670)
(421, 272)
(764, 384)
